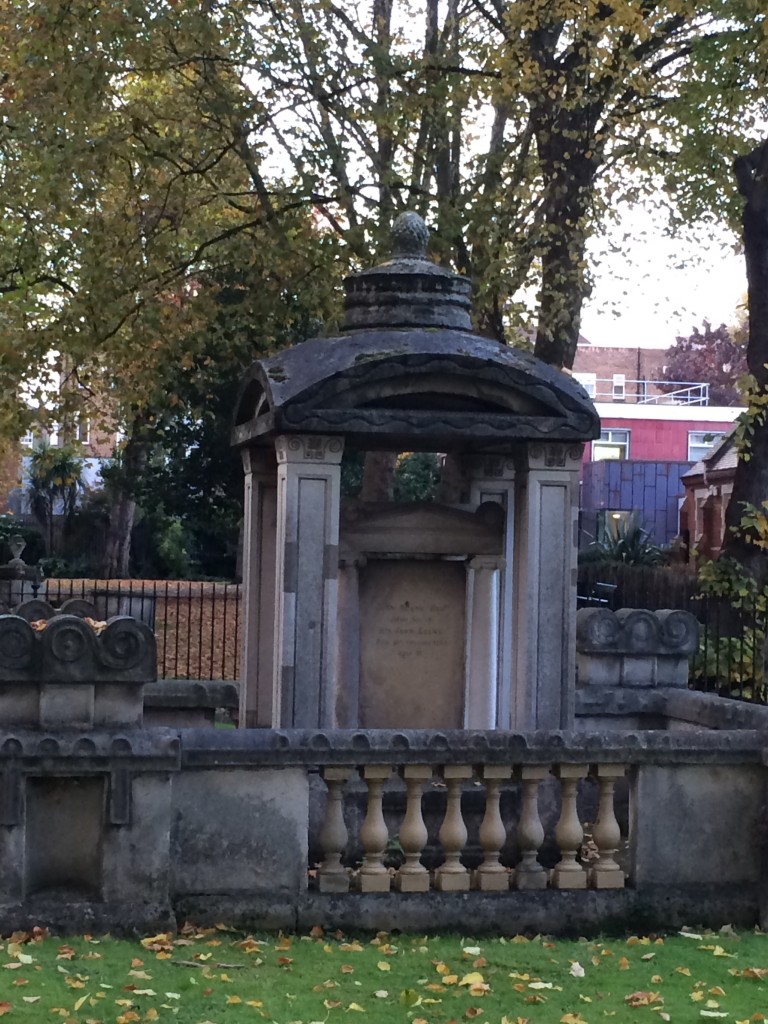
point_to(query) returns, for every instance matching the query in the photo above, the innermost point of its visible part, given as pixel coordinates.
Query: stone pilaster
(493, 479)
(481, 675)
(308, 492)
(546, 513)
(259, 558)
(348, 639)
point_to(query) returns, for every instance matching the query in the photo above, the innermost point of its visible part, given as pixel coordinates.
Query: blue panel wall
(653, 489)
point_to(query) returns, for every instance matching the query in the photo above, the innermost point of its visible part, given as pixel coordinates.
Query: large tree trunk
(117, 550)
(750, 486)
(569, 164)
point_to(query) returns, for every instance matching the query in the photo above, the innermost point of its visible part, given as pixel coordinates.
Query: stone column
(308, 491)
(482, 644)
(348, 639)
(546, 515)
(493, 479)
(258, 590)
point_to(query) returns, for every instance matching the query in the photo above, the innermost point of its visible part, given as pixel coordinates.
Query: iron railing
(732, 659)
(197, 624)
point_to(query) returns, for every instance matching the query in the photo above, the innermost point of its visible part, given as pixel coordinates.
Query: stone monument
(387, 615)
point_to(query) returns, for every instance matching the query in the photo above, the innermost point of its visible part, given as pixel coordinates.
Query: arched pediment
(414, 389)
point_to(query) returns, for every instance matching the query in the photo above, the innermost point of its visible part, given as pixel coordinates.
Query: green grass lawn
(217, 976)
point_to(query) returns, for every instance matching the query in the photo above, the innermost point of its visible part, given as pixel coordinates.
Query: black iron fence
(197, 624)
(732, 659)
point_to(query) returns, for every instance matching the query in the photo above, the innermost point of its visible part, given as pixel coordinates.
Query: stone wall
(106, 824)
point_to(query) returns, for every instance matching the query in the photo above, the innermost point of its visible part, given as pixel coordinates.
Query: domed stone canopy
(407, 372)
(419, 389)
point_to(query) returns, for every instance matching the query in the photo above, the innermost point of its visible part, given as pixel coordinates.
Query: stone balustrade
(487, 826)
(600, 871)
(634, 647)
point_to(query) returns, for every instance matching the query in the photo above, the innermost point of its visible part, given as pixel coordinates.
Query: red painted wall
(660, 440)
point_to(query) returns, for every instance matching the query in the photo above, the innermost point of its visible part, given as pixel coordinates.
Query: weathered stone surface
(367, 386)
(713, 813)
(412, 629)
(664, 708)
(634, 647)
(240, 832)
(69, 650)
(282, 747)
(636, 631)
(188, 703)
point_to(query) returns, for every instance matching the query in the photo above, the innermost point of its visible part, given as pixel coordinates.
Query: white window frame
(613, 444)
(588, 381)
(698, 448)
(619, 387)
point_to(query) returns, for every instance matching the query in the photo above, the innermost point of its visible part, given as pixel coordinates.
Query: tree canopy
(181, 183)
(714, 356)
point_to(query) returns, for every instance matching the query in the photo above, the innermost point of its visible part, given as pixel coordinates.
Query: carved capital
(555, 455)
(310, 448)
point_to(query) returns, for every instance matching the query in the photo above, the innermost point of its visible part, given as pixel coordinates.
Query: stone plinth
(634, 647)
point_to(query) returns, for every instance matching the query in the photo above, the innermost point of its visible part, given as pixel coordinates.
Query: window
(83, 430)
(588, 381)
(28, 439)
(700, 443)
(619, 387)
(613, 444)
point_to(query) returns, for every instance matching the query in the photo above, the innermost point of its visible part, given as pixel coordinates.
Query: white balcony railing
(643, 392)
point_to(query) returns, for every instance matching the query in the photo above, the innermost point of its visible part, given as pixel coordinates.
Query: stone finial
(410, 237)
(17, 544)
(408, 289)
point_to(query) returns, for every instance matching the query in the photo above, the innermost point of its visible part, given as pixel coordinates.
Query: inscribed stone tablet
(412, 623)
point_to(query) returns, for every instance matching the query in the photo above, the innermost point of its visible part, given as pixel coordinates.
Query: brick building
(651, 435)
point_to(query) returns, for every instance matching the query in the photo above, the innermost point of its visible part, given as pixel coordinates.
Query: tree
(715, 357)
(585, 101)
(141, 195)
(746, 534)
(55, 483)
(151, 154)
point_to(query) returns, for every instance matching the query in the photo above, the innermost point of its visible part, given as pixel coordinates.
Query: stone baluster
(605, 872)
(413, 876)
(374, 835)
(492, 876)
(568, 873)
(529, 873)
(452, 876)
(332, 876)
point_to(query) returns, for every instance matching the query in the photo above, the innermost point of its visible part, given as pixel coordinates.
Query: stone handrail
(203, 748)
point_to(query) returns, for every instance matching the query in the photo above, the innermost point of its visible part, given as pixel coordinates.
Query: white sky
(650, 288)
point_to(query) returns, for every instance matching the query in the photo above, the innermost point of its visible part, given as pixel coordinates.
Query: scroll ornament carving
(69, 649)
